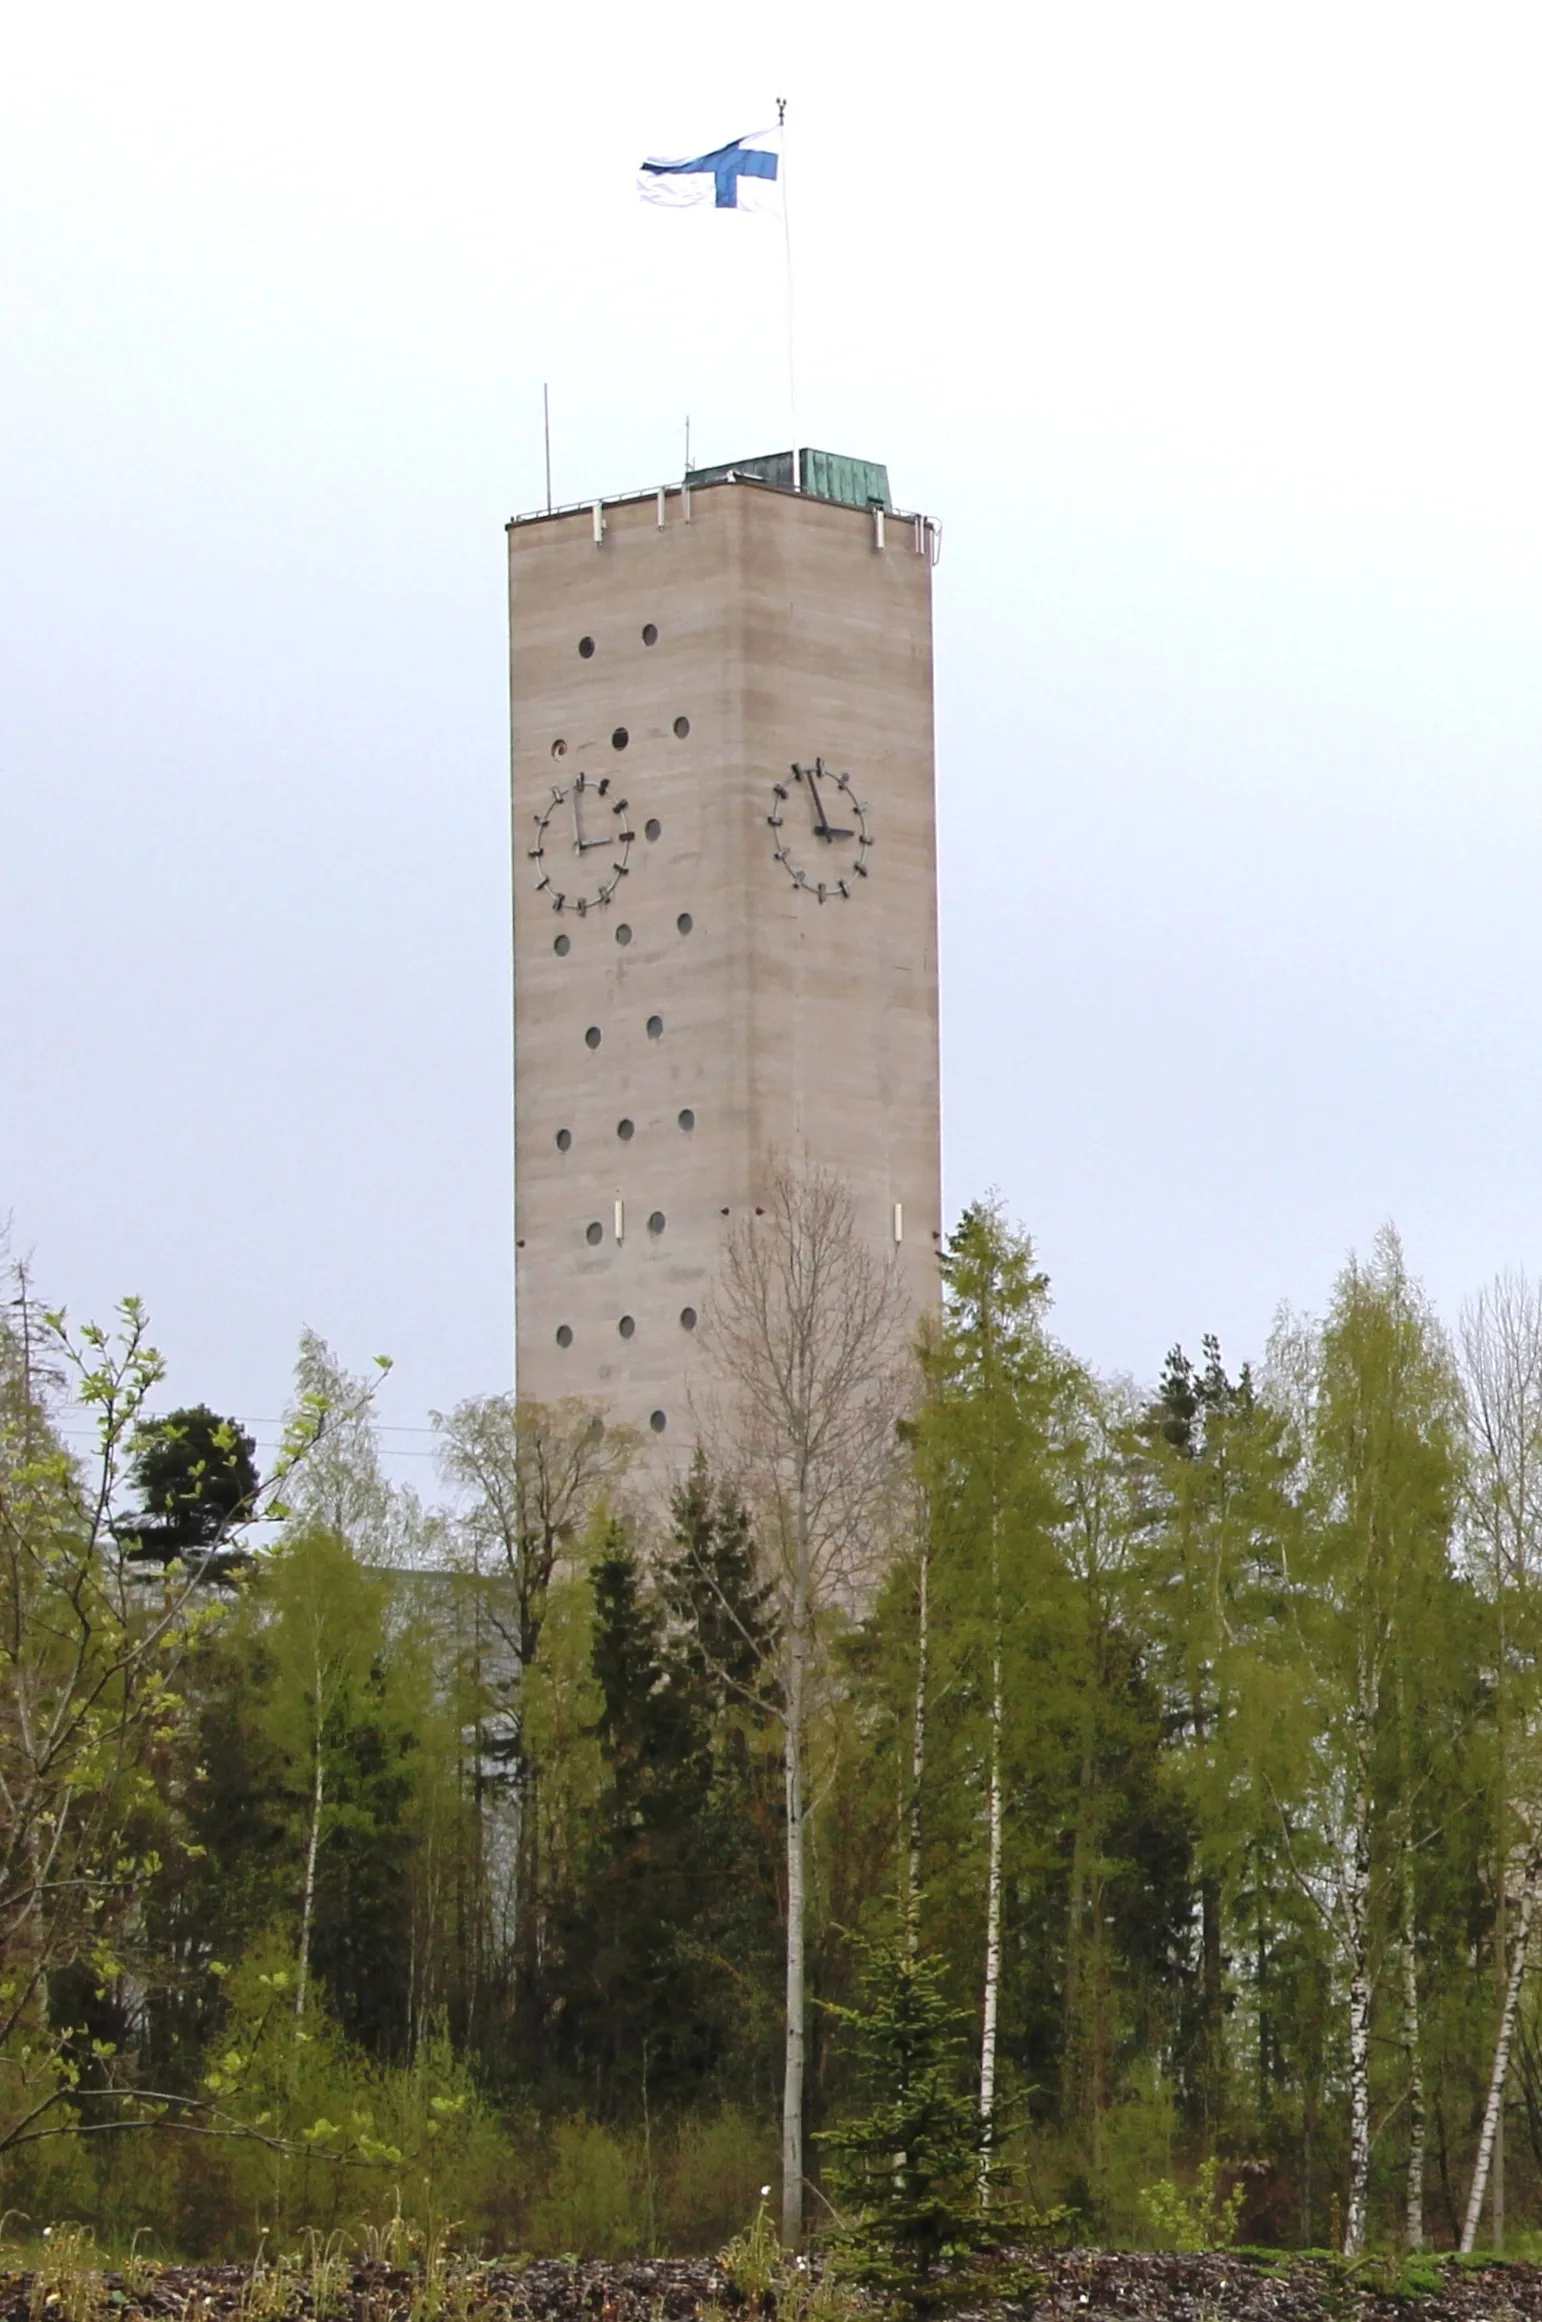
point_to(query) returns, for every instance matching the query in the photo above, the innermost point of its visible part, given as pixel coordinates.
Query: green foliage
(912, 2171)
(595, 2198)
(753, 2261)
(434, 1869)
(1201, 2218)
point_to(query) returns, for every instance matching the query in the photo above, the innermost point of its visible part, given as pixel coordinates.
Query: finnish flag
(745, 175)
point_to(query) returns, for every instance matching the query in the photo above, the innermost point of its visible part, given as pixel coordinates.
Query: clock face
(582, 840)
(822, 839)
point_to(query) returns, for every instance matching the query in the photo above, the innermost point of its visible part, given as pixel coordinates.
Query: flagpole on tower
(792, 369)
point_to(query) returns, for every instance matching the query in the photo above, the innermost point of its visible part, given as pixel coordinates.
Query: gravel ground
(1078, 2286)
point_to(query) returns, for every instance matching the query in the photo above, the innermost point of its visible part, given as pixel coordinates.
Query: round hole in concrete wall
(563, 946)
(625, 1129)
(687, 1318)
(685, 923)
(626, 1326)
(687, 1119)
(657, 1421)
(682, 728)
(559, 749)
(586, 647)
(564, 1334)
(623, 933)
(564, 1140)
(593, 1232)
(656, 1222)
(650, 633)
(620, 738)
(655, 1027)
(653, 829)
(592, 1036)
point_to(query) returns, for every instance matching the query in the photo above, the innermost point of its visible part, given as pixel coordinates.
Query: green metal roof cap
(824, 475)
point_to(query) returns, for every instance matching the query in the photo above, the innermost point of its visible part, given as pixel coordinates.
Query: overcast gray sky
(1210, 335)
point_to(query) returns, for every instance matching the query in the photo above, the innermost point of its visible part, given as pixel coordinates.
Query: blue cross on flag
(743, 175)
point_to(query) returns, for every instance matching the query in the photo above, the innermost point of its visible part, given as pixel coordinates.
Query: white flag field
(745, 174)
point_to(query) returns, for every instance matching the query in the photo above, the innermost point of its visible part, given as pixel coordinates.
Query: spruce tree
(909, 2168)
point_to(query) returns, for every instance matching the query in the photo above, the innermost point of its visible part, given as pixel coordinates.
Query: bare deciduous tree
(807, 1337)
(533, 1475)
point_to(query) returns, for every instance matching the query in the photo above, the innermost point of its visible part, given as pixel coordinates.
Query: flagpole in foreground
(792, 372)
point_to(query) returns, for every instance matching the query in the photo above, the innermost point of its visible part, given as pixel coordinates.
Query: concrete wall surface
(693, 1008)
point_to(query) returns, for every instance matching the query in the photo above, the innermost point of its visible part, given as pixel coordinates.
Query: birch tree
(1381, 1432)
(994, 1382)
(1501, 1355)
(806, 1336)
(343, 1487)
(332, 1708)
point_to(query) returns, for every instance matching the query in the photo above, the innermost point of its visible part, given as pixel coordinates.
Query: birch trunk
(1357, 1887)
(1501, 2071)
(792, 2076)
(992, 2004)
(918, 1752)
(1076, 2075)
(1413, 2196)
(992, 1935)
(312, 1848)
(1413, 2216)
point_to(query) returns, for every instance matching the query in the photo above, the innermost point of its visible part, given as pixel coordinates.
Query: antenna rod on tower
(546, 424)
(792, 368)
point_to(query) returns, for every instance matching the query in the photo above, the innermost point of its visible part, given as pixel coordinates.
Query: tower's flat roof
(822, 475)
(850, 483)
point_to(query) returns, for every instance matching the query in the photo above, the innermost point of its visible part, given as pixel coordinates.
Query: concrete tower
(725, 924)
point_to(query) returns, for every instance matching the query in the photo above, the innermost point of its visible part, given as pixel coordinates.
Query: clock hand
(823, 828)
